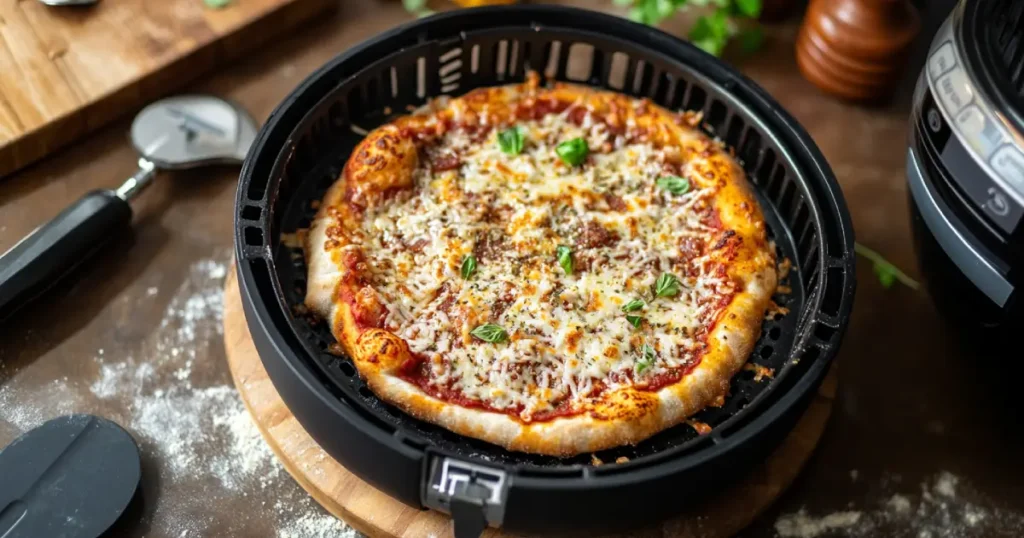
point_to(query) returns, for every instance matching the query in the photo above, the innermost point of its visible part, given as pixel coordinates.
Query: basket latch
(473, 494)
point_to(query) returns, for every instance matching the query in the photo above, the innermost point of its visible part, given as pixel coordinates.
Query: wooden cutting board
(65, 71)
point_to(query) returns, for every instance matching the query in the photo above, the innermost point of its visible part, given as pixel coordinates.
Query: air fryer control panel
(980, 151)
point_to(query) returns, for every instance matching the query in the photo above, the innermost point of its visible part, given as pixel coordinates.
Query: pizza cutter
(172, 134)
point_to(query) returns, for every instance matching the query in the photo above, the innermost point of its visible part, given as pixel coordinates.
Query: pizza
(551, 269)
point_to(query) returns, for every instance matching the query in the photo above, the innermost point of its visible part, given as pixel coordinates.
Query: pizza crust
(624, 416)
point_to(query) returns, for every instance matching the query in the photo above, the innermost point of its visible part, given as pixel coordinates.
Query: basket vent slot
(695, 98)
(421, 77)
(251, 212)
(581, 62)
(552, 53)
(501, 59)
(663, 92)
(617, 70)
(253, 236)
(824, 332)
(833, 291)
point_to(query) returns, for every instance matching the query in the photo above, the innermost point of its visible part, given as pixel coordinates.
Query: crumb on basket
(783, 289)
(702, 428)
(719, 401)
(295, 240)
(783, 269)
(595, 461)
(775, 310)
(621, 459)
(760, 372)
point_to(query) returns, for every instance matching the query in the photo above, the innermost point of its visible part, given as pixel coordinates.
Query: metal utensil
(58, 3)
(173, 134)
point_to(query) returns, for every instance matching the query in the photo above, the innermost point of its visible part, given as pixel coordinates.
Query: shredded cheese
(568, 337)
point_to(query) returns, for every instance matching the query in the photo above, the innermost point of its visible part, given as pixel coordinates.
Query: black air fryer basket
(306, 141)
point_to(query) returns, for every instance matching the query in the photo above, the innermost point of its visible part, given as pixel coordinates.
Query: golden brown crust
(622, 416)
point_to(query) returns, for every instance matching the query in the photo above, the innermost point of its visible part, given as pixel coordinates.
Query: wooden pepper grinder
(856, 49)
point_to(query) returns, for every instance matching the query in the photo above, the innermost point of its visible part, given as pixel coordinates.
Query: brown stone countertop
(921, 442)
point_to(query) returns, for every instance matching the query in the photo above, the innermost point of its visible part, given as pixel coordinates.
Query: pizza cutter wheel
(172, 134)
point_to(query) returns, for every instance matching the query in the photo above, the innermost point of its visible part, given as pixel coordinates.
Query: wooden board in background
(65, 71)
(378, 515)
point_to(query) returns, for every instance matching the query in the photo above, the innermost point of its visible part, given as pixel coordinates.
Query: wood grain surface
(66, 71)
(377, 515)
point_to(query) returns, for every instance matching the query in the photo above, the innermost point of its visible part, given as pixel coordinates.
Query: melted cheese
(568, 336)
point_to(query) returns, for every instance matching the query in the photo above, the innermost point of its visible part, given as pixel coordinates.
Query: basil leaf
(749, 8)
(511, 140)
(674, 184)
(646, 360)
(490, 333)
(573, 152)
(667, 285)
(633, 306)
(635, 321)
(564, 255)
(468, 266)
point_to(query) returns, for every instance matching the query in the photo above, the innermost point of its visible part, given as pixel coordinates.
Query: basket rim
(797, 140)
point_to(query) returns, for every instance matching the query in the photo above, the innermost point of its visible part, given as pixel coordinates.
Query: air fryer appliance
(965, 169)
(307, 139)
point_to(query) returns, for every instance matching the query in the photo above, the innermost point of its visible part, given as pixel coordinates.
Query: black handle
(55, 248)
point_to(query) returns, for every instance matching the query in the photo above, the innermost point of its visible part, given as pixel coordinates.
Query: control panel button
(979, 131)
(942, 60)
(999, 206)
(1008, 162)
(954, 91)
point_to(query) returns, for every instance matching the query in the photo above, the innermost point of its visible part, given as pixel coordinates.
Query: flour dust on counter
(206, 469)
(942, 507)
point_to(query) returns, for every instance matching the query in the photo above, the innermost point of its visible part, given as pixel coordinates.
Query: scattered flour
(205, 446)
(312, 525)
(938, 511)
(800, 525)
(59, 398)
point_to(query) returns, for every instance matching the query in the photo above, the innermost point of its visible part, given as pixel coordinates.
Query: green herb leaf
(622, 3)
(417, 7)
(216, 4)
(633, 306)
(646, 360)
(511, 140)
(468, 266)
(564, 255)
(637, 14)
(749, 8)
(573, 152)
(490, 333)
(667, 285)
(711, 32)
(674, 184)
(887, 273)
(635, 321)
(751, 39)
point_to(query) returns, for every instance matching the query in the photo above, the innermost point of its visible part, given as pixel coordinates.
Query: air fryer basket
(306, 141)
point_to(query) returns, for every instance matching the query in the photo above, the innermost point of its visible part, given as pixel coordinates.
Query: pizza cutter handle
(57, 247)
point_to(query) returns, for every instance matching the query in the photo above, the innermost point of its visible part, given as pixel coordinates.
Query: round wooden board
(378, 515)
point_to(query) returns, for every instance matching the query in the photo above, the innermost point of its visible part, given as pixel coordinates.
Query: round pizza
(552, 269)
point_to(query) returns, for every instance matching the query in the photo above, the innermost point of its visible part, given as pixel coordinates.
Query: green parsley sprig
(712, 31)
(887, 273)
